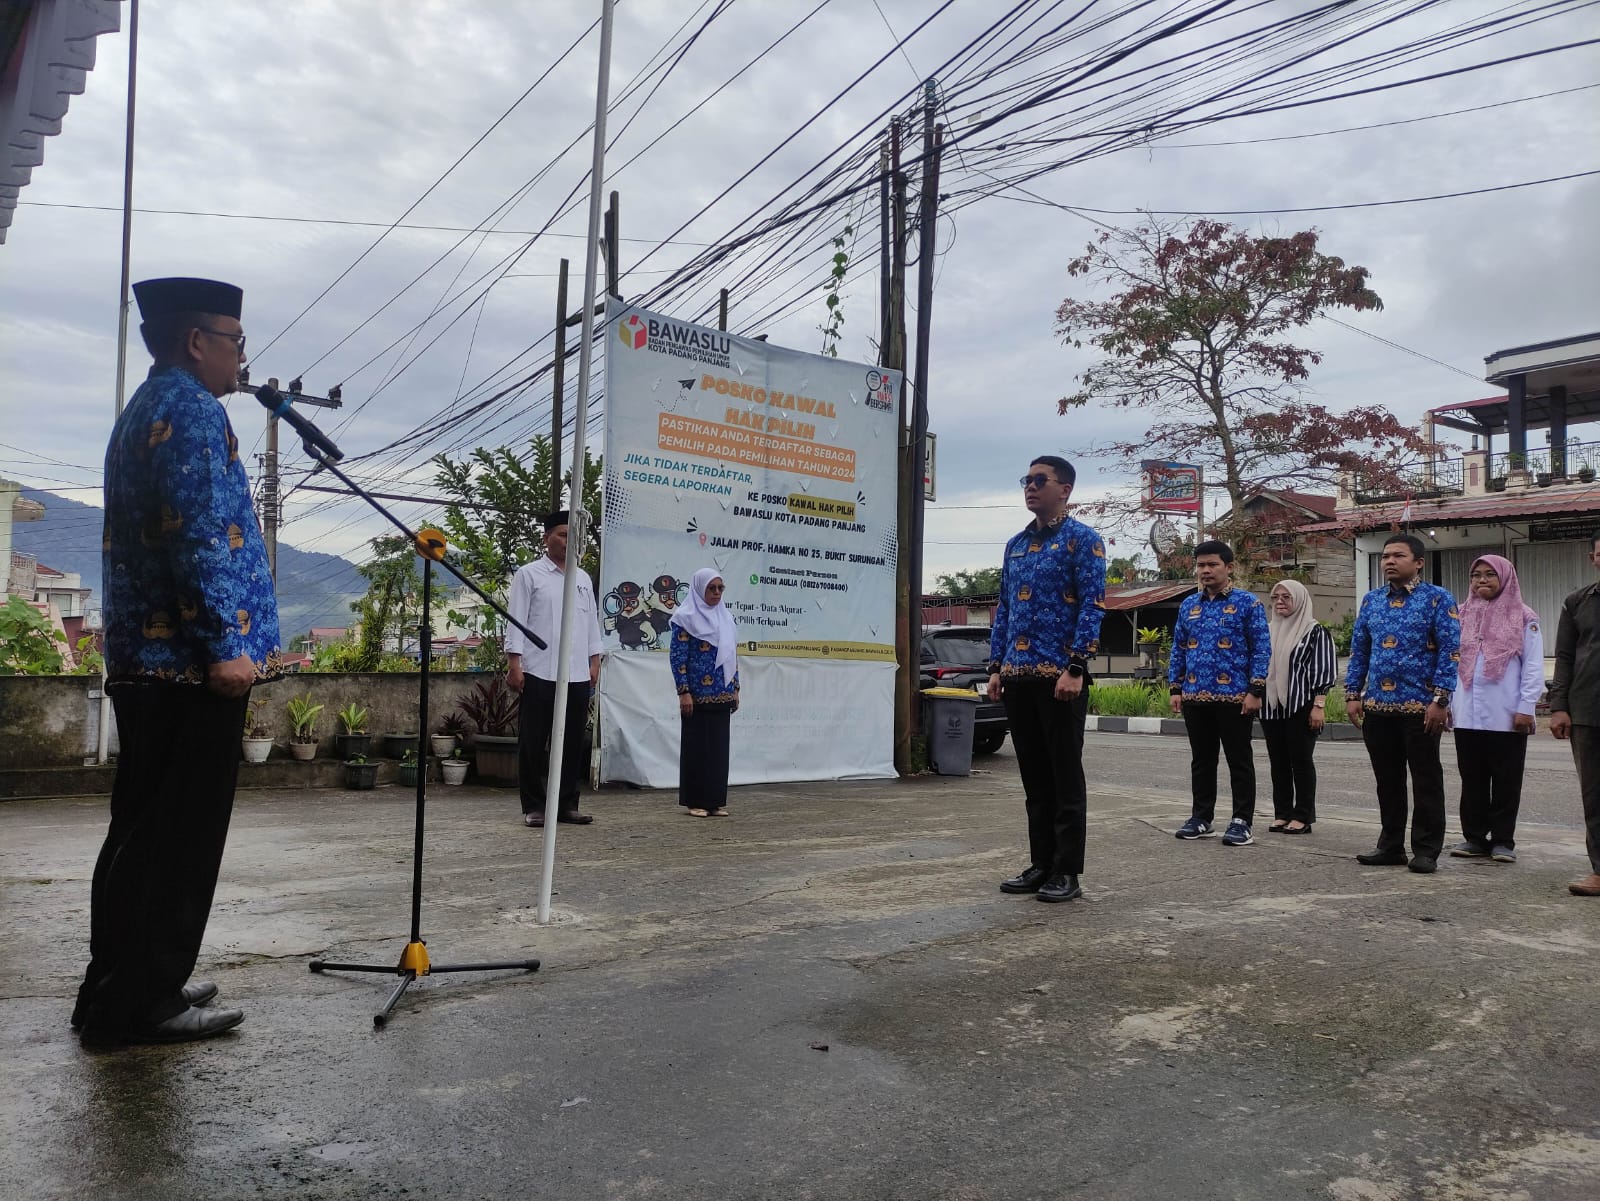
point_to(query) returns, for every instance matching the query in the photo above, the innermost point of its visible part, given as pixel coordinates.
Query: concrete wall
(49, 721)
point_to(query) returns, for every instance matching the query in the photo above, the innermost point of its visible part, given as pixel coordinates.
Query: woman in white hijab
(1302, 669)
(705, 667)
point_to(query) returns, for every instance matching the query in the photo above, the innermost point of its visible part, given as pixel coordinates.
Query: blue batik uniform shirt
(695, 670)
(1052, 600)
(1220, 647)
(1405, 648)
(184, 568)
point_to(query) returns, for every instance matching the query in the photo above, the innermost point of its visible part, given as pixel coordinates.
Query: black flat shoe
(1382, 859)
(1280, 828)
(575, 819)
(189, 1026)
(1060, 888)
(199, 992)
(1029, 881)
(1301, 830)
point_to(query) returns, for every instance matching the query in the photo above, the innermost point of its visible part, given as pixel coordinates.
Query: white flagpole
(578, 526)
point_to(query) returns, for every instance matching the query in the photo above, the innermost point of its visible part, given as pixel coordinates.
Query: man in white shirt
(536, 596)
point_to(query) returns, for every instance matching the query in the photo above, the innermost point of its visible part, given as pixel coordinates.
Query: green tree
(495, 522)
(29, 644)
(393, 603)
(980, 581)
(1196, 329)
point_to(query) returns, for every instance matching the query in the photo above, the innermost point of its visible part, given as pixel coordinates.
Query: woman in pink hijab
(1502, 678)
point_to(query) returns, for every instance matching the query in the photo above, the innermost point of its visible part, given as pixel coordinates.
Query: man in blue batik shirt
(1046, 627)
(1404, 653)
(1221, 646)
(191, 624)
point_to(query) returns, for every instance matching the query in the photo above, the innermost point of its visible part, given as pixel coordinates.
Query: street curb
(1334, 731)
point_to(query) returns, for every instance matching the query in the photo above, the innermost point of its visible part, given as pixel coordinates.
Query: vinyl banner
(798, 719)
(775, 467)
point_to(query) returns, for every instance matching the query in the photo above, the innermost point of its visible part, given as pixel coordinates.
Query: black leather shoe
(1060, 888)
(574, 818)
(1029, 881)
(199, 992)
(1423, 864)
(189, 1026)
(1383, 859)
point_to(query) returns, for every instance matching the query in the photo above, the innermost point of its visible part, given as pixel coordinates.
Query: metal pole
(103, 736)
(613, 236)
(722, 310)
(269, 497)
(577, 527)
(883, 253)
(907, 640)
(558, 387)
(928, 222)
(426, 669)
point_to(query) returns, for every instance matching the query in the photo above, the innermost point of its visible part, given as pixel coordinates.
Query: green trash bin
(949, 716)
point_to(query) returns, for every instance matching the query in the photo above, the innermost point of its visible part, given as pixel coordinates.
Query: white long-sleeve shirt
(536, 593)
(1490, 705)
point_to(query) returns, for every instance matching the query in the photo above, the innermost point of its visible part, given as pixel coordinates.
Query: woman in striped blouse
(1302, 669)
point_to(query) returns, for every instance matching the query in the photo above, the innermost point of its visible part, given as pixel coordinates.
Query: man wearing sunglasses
(191, 624)
(1046, 628)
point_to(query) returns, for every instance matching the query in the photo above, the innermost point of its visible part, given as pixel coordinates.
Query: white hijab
(1287, 633)
(710, 623)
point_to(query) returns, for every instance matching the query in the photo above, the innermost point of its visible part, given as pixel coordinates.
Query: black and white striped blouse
(1313, 669)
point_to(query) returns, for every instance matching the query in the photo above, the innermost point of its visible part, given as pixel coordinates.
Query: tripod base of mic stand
(414, 963)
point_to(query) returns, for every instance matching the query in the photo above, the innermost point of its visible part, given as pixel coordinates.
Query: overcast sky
(348, 111)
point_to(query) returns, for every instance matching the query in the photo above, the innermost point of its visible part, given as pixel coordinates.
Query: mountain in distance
(314, 589)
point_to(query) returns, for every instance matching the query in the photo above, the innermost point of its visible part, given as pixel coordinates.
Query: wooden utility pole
(722, 310)
(558, 387)
(907, 640)
(613, 240)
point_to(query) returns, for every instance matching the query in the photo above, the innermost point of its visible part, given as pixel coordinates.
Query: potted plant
(303, 717)
(1585, 473)
(454, 768)
(396, 745)
(1497, 484)
(359, 774)
(408, 769)
(490, 709)
(257, 735)
(443, 741)
(353, 738)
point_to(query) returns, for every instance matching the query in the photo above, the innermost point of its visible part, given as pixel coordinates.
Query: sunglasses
(1037, 480)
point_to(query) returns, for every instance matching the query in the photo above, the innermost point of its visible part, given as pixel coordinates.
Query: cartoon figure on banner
(627, 617)
(666, 593)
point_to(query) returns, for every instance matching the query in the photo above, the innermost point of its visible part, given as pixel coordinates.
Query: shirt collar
(1040, 527)
(1404, 589)
(1204, 595)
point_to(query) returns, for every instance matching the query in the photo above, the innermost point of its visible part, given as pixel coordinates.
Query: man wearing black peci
(536, 601)
(191, 624)
(1046, 627)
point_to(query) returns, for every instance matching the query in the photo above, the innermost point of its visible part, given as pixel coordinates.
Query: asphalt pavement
(826, 996)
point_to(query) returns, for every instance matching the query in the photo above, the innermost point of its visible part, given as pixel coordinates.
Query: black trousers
(1491, 763)
(1291, 750)
(535, 715)
(1048, 735)
(1396, 742)
(171, 802)
(703, 757)
(1213, 726)
(1586, 754)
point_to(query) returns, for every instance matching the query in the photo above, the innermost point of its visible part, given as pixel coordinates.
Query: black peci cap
(559, 517)
(181, 294)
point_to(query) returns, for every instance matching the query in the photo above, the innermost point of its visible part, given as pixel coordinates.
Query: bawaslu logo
(632, 332)
(880, 391)
(676, 338)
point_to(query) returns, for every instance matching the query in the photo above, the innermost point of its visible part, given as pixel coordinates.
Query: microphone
(277, 404)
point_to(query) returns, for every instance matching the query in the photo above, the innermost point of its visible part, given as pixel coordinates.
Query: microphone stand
(430, 546)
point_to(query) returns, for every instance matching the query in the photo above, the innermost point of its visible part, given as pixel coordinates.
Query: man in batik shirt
(191, 624)
(1217, 675)
(1046, 628)
(1404, 653)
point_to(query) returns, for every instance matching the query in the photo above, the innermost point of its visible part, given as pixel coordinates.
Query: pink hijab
(1493, 628)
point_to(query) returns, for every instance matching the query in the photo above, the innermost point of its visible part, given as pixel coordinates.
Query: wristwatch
(1442, 699)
